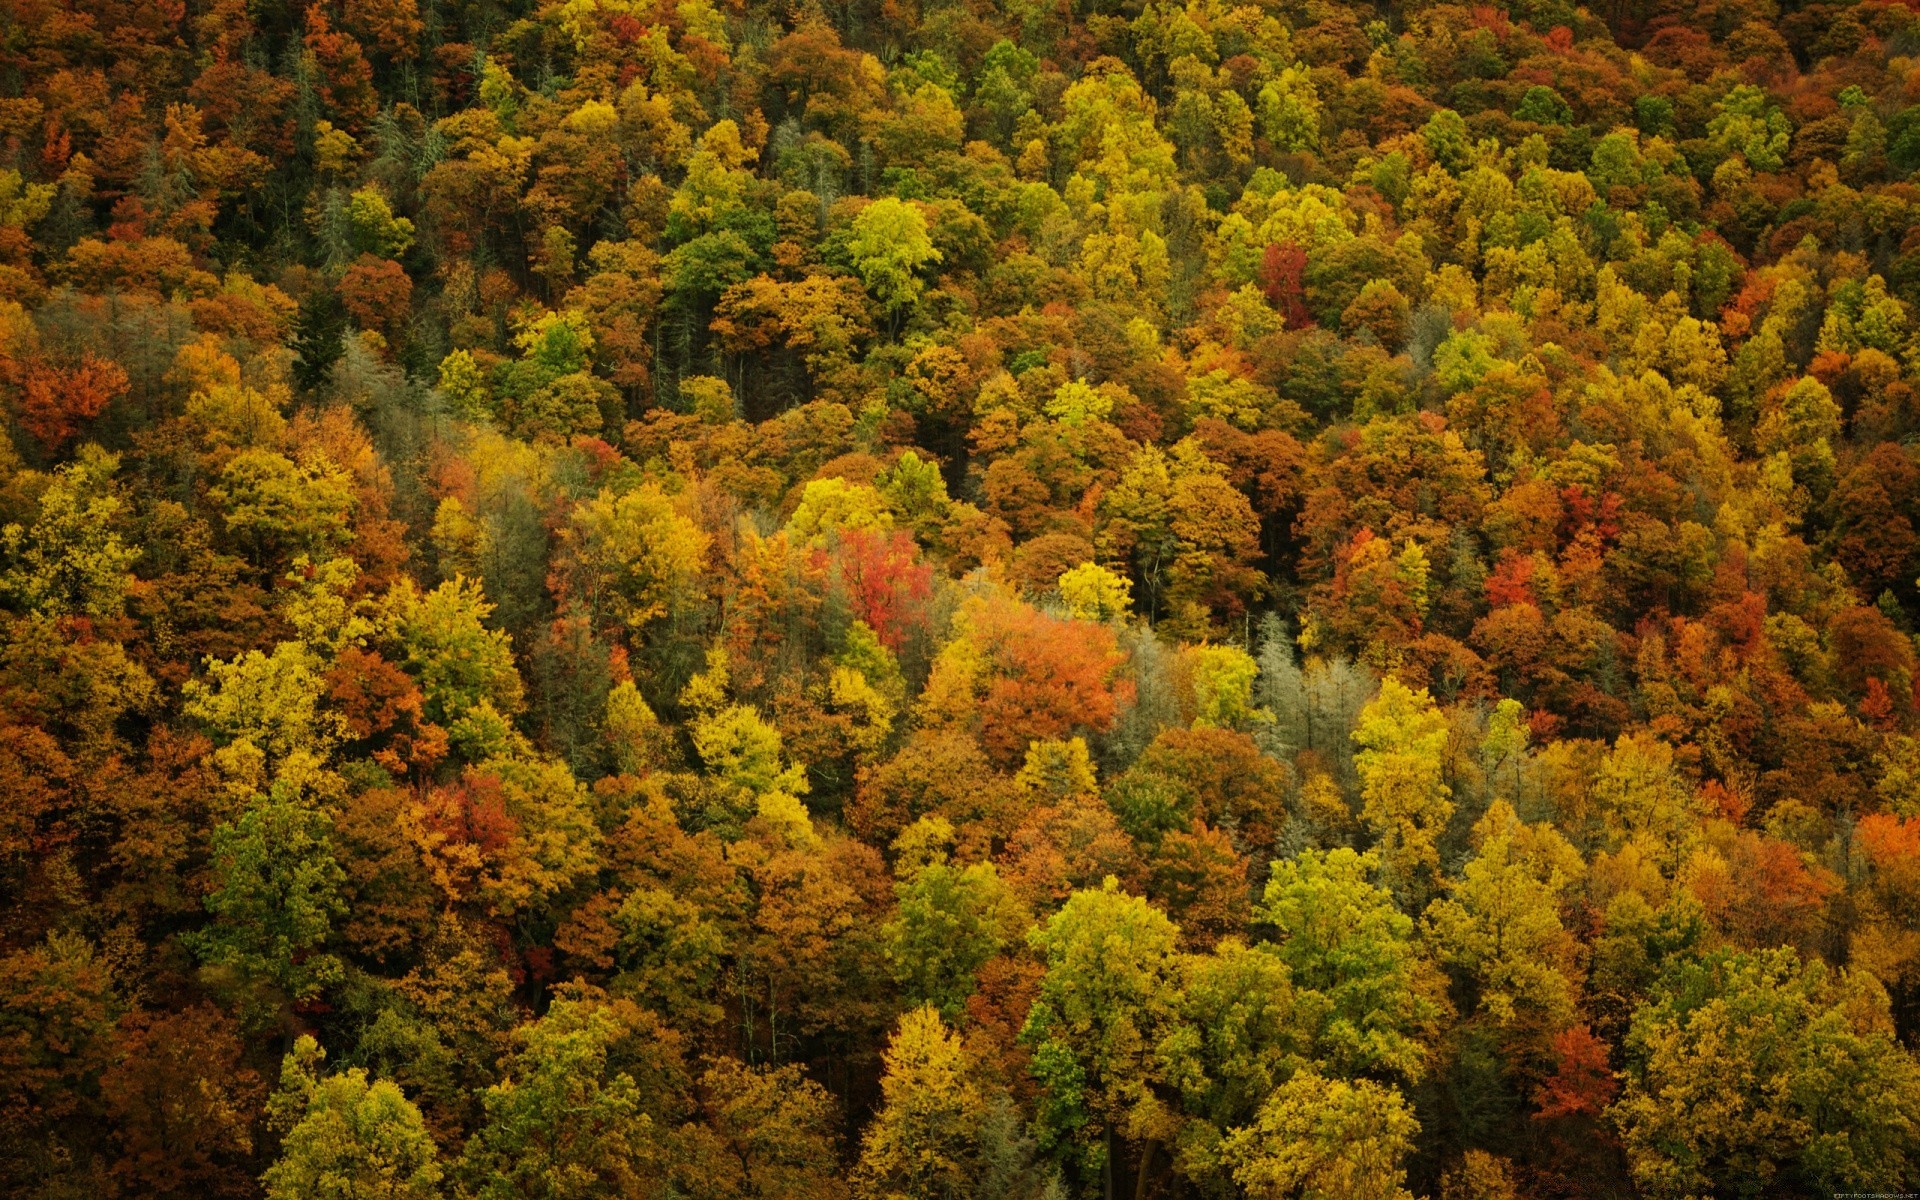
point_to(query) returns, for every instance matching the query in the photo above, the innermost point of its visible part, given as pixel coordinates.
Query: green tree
(465, 670)
(574, 1116)
(348, 1137)
(1108, 992)
(1349, 951)
(1758, 1074)
(889, 246)
(1746, 124)
(951, 919)
(1223, 679)
(1232, 1041)
(276, 893)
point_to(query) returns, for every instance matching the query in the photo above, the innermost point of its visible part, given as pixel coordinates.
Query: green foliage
(1350, 955)
(376, 230)
(951, 920)
(1108, 990)
(349, 1138)
(1746, 124)
(888, 246)
(465, 670)
(569, 1119)
(1753, 1072)
(276, 893)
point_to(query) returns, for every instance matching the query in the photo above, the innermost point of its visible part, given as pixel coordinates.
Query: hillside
(936, 599)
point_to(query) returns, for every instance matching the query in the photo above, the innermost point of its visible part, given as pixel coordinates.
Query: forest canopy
(920, 599)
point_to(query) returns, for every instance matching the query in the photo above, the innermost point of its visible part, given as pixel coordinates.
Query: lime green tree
(348, 1137)
(1108, 993)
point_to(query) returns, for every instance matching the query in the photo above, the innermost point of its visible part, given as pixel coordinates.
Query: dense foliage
(937, 598)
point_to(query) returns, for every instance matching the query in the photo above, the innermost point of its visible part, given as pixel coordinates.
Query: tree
(1500, 922)
(1747, 125)
(1232, 1041)
(936, 773)
(1212, 775)
(582, 1108)
(889, 246)
(183, 1104)
(1093, 593)
(510, 834)
(278, 508)
(941, 1132)
(59, 1004)
(1757, 1072)
(1108, 991)
(465, 670)
(1018, 675)
(55, 403)
(268, 704)
(378, 294)
(275, 897)
(769, 1133)
(1642, 798)
(1223, 688)
(71, 562)
(1317, 1138)
(1359, 993)
(347, 1138)
(951, 919)
(1402, 738)
(632, 558)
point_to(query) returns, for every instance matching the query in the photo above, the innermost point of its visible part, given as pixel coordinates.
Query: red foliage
(382, 705)
(1281, 272)
(1511, 582)
(885, 584)
(1868, 647)
(473, 811)
(1877, 705)
(377, 293)
(1582, 512)
(1582, 1083)
(55, 402)
(1724, 802)
(1050, 677)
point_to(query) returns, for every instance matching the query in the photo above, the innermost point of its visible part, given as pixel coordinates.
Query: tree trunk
(1141, 1173)
(1106, 1167)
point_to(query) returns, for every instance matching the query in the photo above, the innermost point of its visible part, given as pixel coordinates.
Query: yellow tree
(1402, 740)
(941, 1131)
(1500, 923)
(1318, 1137)
(631, 557)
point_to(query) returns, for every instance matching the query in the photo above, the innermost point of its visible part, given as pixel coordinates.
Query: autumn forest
(959, 599)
